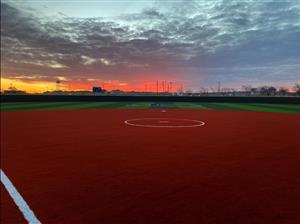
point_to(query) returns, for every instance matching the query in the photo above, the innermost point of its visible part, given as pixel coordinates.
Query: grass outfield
(281, 108)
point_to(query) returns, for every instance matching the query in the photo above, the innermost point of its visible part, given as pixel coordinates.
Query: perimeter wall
(98, 98)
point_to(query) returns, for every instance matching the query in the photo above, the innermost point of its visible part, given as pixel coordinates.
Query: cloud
(195, 40)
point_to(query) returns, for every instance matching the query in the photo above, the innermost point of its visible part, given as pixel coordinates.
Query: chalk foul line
(19, 200)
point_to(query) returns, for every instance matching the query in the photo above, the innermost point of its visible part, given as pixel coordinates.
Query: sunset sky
(128, 45)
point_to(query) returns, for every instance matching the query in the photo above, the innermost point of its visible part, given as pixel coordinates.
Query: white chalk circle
(164, 123)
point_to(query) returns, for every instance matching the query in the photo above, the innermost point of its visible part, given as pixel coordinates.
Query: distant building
(73, 93)
(13, 92)
(97, 89)
(117, 92)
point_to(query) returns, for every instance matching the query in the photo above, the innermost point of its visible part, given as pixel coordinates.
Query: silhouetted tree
(254, 91)
(282, 91)
(297, 88)
(247, 89)
(267, 90)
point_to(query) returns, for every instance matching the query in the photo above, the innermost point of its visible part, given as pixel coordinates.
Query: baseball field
(149, 162)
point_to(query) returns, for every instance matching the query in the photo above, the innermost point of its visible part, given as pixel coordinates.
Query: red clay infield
(87, 166)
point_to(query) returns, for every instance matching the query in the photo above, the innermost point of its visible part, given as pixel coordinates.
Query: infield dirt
(87, 166)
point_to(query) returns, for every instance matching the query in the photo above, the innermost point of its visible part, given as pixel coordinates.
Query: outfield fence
(105, 98)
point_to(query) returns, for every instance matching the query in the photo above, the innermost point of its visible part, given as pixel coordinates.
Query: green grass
(280, 108)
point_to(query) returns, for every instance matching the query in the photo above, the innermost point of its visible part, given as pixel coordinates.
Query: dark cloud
(192, 40)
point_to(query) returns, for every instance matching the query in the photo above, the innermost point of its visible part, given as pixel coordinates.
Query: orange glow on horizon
(29, 87)
(40, 87)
